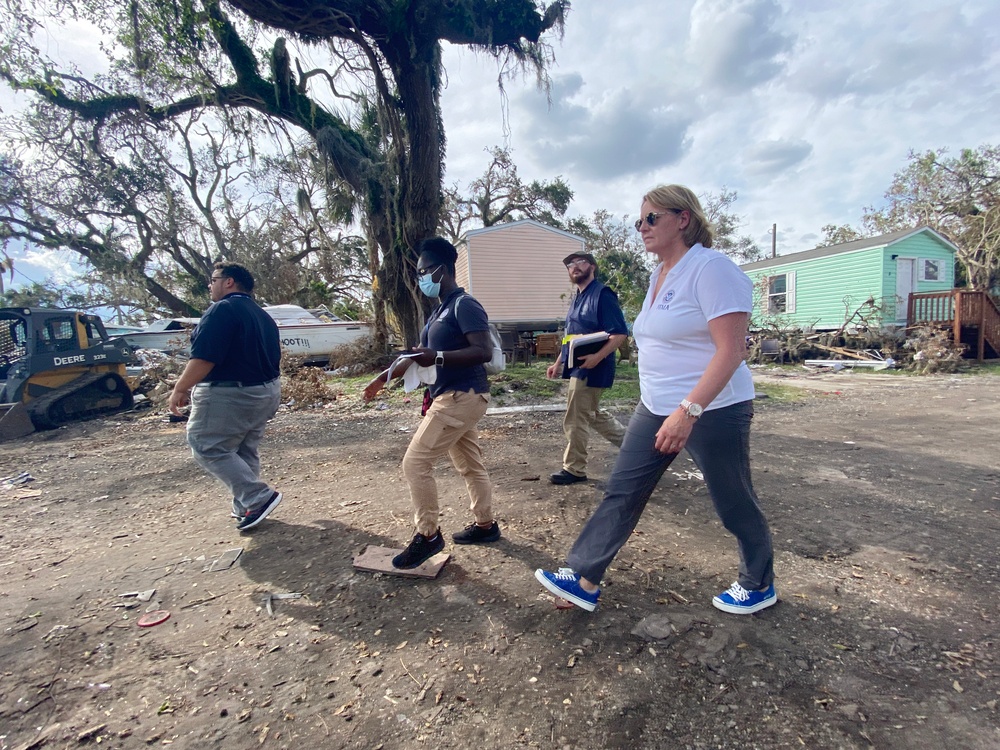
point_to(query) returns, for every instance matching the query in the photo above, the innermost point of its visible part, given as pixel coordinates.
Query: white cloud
(770, 157)
(807, 109)
(617, 134)
(738, 44)
(36, 264)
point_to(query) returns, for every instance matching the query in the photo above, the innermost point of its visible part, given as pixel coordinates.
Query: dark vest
(584, 316)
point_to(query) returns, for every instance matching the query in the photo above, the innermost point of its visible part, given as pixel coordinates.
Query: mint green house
(818, 289)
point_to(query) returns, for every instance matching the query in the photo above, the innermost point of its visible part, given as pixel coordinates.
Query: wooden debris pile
(934, 351)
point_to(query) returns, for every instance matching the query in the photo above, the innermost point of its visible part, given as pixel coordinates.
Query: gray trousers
(224, 431)
(720, 446)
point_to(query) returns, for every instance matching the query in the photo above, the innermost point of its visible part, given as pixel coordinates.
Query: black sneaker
(420, 550)
(476, 534)
(565, 477)
(254, 517)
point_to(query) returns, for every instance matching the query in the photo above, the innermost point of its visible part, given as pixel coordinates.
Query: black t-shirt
(240, 338)
(458, 315)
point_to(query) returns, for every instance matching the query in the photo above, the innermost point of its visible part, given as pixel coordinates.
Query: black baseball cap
(586, 256)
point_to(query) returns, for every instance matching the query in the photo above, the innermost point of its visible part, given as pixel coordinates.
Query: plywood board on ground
(379, 560)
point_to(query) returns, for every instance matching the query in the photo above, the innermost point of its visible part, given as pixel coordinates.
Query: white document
(415, 374)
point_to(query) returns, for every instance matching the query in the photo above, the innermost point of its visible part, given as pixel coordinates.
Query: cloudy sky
(805, 107)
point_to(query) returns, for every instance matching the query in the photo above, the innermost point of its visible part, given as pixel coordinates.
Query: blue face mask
(427, 284)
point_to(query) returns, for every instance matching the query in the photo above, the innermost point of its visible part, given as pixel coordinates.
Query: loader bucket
(14, 422)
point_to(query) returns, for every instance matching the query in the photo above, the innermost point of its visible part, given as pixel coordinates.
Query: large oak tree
(958, 196)
(377, 122)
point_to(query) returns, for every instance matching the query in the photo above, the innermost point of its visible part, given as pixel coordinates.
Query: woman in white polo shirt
(696, 393)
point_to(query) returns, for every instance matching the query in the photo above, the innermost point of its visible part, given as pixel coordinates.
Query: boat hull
(314, 342)
(317, 342)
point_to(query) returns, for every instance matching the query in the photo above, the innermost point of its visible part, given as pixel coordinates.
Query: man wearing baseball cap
(594, 309)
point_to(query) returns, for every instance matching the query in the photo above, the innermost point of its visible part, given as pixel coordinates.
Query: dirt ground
(883, 493)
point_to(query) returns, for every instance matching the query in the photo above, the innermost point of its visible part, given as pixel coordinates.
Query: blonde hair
(680, 198)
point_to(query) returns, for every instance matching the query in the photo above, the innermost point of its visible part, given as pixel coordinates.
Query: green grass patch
(989, 367)
(626, 385)
(523, 384)
(781, 394)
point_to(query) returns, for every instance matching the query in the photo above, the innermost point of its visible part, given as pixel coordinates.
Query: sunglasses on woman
(651, 218)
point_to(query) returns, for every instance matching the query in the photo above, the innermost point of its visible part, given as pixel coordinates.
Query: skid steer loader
(58, 366)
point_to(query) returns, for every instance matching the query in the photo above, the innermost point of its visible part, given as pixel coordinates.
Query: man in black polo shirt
(232, 384)
(456, 341)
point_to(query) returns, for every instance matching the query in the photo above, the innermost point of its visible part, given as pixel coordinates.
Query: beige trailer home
(516, 271)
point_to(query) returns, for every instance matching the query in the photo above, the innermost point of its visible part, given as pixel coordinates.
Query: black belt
(235, 383)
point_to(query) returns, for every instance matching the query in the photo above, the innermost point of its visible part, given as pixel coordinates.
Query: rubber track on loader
(91, 395)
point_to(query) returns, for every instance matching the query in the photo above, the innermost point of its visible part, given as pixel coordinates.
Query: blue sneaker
(566, 584)
(254, 517)
(738, 601)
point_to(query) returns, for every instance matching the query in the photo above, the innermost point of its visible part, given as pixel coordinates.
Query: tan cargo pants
(449, 427)
(583, 413)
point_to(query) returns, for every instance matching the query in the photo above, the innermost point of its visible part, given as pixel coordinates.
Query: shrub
(358, 357)
(306, 387)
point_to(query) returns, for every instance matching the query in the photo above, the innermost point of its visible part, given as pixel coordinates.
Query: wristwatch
(693, 410)
(439, 359)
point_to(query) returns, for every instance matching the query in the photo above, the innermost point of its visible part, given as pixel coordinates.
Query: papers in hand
(584, 344)
(414, 375)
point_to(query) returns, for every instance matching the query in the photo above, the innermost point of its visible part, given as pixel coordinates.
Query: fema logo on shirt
(665, 302)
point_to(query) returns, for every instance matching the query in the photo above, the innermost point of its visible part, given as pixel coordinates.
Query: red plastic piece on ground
(155, 617)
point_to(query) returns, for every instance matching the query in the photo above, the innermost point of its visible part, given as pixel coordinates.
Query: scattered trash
(688, 474)
(376, 559)
(22, 478)
(155, 617)
(272, 597)
(527, 408)
(57, 630)
(142, 596)
(228, 559)
(89, 734)
(16, 485)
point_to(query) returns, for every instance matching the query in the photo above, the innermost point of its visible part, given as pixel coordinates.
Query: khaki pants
(582, 413)
(449, 427)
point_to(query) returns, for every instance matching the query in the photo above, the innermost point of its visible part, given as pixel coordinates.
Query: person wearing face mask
(594, 309)
(456, 341)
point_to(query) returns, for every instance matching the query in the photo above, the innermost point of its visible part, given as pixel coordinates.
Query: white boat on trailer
(169, 335)
(311, 334)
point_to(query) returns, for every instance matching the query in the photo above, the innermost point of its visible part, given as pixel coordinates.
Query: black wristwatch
(439, 359)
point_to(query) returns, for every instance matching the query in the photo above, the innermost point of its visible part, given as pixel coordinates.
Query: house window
(930, 269)
(781, 293)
